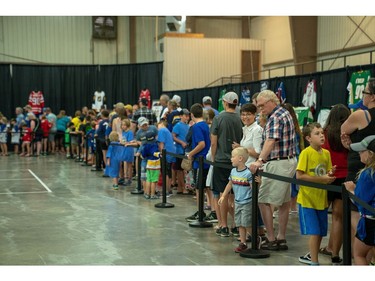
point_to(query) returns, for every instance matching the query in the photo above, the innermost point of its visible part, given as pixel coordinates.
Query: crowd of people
(264, 134)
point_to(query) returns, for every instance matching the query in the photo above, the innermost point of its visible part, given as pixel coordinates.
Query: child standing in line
(68, 140)
(4, 127)
(127, 136)
(46, 127)
(240, 180)
(114, 158)
(150, 151)
(26, 140)
(364, 189)
(15, 136)
(314, 165)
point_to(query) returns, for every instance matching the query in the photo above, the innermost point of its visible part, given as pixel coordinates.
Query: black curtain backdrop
(331, 87)
(72, 87)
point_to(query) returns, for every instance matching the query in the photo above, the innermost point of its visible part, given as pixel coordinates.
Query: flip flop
(324, 251)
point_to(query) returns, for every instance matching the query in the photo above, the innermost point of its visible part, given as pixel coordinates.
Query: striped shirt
(145, 112)
(280, 127)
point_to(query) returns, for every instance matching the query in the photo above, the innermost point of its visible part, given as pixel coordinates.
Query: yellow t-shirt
(313, 163)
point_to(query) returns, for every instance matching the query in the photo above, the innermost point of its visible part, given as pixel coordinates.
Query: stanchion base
(255, 254)
(200, 224)
(137, 191)
(164, 205)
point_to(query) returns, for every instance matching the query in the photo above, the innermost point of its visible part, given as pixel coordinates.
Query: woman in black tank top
(359, 125)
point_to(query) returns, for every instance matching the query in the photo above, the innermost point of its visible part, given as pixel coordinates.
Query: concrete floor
(54, 211)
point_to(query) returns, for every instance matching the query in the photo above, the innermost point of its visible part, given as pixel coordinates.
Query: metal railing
(283, 70)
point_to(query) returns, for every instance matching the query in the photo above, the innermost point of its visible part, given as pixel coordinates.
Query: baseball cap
(368, 143)
(128, 107)
(176, 98)
(231, 97)
(185, 111)
(142, 120)
(144, 101)
(358, 105)
(206, 99)
(118, 105)
(150, 136)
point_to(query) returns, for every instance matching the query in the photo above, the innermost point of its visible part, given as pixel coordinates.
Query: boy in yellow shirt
(314, 165)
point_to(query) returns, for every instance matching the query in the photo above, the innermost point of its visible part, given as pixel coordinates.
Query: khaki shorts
(273, 191)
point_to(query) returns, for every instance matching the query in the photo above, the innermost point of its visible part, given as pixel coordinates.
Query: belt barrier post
(201, 186)
(139, 189)
(164, 204)
(255, 252)
(346, 227)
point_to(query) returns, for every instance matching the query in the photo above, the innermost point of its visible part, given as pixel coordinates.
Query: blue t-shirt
(201, 132)
(241, 185)
(102, 128)
(62, 123)
(180, 129)
(165, 136)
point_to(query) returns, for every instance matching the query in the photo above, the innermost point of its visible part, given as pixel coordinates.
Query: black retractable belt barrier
(201, 185)
(254, 252)
(164, 204)
(139, 189)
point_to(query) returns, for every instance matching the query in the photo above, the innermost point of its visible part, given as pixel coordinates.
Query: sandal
(282, 244)
(324, 251)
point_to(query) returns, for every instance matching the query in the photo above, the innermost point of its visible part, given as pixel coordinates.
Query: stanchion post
(201, 186)
(139, 189)
(346, 227)
(164, 203)
(97, 158)
(254, 252)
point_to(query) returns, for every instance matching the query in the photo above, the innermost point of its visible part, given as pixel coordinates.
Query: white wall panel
(275, 31)
(196, 62)
(219, 28)
(335, 33)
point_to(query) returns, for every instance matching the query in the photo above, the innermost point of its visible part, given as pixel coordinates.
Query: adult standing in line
(359, 125)
(339, 154)
(207, 104)
(163, 100)
(252, 141)
(226, 129)
(51, 117)
(143, 111)
(278, 156)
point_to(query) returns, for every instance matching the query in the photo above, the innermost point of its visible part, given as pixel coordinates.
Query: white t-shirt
(252, 138)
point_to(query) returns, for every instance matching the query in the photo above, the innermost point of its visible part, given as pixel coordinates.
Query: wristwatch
(261, 160)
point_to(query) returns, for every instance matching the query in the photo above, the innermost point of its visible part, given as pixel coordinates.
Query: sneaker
(195, 217)
(305, 259)
(336, 260)
(211, 217)
(115, 187)
(146, 196)
(154, 197)
(282, 245)
(241, 247)
(224, 232)
(121, 181)
(235, 231)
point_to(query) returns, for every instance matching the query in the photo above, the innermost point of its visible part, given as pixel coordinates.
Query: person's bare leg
(283, 220)
(266, 212)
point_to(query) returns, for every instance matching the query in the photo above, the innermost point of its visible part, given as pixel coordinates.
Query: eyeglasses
(367, 93)
(262, 105)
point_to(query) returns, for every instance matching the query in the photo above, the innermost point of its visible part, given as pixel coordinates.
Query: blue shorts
(313, 222)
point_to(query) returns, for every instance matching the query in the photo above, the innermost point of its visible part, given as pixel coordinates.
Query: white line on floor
(39, 180)
(16, 179)
(26, 192)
